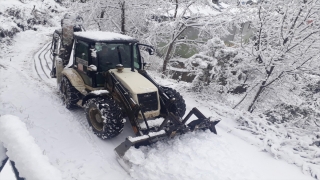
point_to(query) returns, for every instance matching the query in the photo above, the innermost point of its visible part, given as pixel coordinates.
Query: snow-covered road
(64, 136)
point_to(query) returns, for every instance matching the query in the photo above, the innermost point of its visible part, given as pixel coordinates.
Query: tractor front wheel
(179, 106)
(105, 117)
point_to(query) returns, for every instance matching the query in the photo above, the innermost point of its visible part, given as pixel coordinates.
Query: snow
(224, 5)
(7, 172)
(179, 69)
(203, 10)
(63, 135)
(152, 123)
(23, 150)
(104, 36)
(71, 147)
(26, 11)
(134, 156)
(185, 157)
(151, 134)
(7, 24)
(99, 92)
(2, 154)
(138, 138)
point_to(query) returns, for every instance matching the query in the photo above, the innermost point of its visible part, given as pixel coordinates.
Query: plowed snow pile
(200, 155)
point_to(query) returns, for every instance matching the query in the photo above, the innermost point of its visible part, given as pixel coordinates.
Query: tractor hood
(134, 81)
(137, 84)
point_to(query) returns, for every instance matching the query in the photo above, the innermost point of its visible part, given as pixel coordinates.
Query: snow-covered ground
(28, 92)
(66, 139)
(64, 136)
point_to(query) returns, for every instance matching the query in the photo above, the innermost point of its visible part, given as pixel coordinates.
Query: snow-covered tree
(212, 67)
(284, 49)
(203, 16)
(123, 16)
(159, 22)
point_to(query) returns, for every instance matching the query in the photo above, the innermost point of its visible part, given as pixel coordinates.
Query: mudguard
(94, 94)
(75, 79)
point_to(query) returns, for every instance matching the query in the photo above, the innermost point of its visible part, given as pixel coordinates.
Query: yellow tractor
(103, 72)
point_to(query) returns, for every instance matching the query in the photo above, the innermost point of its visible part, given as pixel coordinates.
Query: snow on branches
(284, 47)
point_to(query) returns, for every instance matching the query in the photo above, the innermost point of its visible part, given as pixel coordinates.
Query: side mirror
(92, 68)
(147, 48)
(150, 51)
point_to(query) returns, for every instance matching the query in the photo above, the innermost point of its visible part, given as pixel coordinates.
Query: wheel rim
(96, 119)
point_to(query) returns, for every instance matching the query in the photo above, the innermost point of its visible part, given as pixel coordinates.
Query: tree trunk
(170, 48)
(102, 14)
(167, 58)
(261, 88)
(123, 17)
(176, 11)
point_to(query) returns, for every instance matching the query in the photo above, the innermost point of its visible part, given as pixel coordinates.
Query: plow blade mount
(169, 131)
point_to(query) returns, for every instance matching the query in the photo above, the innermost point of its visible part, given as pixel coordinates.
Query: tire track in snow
(49, 120)
(51, 57)
(45, 58)
(76, 115)
(35, 66)
(38, 64)
(40, 60)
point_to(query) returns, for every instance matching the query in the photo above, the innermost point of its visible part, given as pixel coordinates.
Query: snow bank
(189, 156)
(23, 150)
(296, 141)
(285, 141)
(22, 15)
(290, 142)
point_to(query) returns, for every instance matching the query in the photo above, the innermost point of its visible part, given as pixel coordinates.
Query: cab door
(82, 61)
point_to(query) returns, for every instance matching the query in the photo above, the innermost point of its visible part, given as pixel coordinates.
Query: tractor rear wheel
(70, 94)
(105, 117)
(179, 106)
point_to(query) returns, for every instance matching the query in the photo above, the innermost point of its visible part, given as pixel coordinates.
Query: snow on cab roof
(104, 36)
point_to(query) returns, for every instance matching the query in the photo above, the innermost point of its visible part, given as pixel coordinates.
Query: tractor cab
(97, 52)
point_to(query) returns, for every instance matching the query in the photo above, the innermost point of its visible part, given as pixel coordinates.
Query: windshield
(109, 55)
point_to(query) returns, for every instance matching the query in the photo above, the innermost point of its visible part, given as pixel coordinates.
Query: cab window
(136, 57)
(109, 55)
(81, 54)
(81, 61)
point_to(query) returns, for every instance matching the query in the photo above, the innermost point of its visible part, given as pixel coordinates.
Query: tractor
(104, 73)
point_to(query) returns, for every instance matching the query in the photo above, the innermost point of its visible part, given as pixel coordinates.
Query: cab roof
(100, 36)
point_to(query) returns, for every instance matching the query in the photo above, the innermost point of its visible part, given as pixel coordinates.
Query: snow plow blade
(167, 131)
